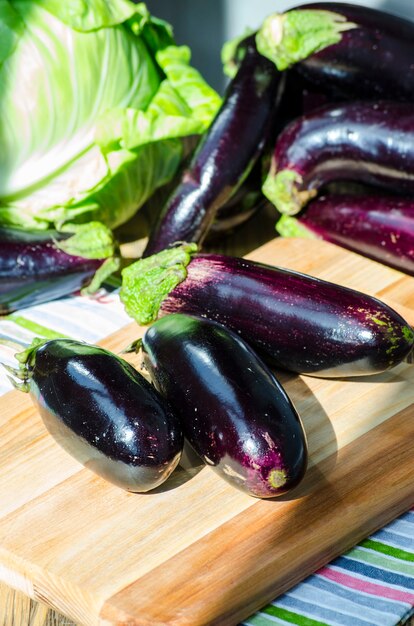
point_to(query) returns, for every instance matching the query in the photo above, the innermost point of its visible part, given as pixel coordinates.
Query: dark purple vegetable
(378, 227)
(370, 143)
(296, 322)
(243, 204)
(102, 411)
(345, 49)
(234, 412)
(38, 266)
(225, 155)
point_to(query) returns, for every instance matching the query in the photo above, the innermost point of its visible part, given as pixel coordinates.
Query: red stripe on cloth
(367, 587)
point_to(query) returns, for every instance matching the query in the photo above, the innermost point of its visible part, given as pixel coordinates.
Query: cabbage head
(95, 99)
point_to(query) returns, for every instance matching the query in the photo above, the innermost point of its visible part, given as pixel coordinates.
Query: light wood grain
(198, 551)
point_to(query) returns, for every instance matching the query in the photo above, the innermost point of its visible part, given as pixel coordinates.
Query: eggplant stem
(133, 347)
(13, 370)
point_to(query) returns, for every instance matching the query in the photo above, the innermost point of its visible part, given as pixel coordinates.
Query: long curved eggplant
(234, 412)
(378, 227)
(102, 412)
(39, 266)
(225, 155)
(348, 50)
(295, 321)
(241, 206)
(364, 142)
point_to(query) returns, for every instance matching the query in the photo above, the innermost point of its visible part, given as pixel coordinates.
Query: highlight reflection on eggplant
(102, 412)
(235, 414)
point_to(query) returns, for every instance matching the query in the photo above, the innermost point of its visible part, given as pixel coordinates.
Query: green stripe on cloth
(34, 327)
(381, 561)
(386, 549)
(288, 616)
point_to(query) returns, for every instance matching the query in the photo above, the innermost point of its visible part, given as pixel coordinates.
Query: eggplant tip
(277, 478)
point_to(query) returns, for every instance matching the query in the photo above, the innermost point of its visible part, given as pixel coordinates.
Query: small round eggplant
(234, 412)
(102, 412)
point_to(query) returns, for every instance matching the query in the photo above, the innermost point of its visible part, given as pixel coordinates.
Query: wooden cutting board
(198, 551)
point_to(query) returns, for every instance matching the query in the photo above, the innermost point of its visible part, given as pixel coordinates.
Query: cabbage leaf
(95, 99)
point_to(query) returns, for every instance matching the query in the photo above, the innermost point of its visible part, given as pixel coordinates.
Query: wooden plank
(198, 551)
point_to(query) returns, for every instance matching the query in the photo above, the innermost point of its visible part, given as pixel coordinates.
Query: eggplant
(39, 266)
(348, 51)
(294, 321)
(377, 227)
(101, 411)
(364, 142)
(225, 155)
(241, 206)
(234, 413)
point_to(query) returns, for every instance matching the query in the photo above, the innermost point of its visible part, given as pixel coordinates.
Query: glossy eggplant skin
(219, 164)
(234, 412)
(364, 142)
(377, 227)
(294, 321)
(104, 413)
(373, 60)
(33, 269)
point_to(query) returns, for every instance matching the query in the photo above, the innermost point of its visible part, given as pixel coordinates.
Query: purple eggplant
(102, 412)
(39, 266)
(295, 321)
(378, 227)
(234, 413)
(364, 142)
(243, 204)
(348, 50)
(225, 155)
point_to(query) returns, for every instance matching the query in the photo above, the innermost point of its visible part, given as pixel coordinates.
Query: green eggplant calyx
(147, 282)
(288, 226)
(20, 376)
(90, 241)
(283, 190)
(287, 38)
(108, 267)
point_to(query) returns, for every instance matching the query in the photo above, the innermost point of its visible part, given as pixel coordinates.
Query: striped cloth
(371, 585)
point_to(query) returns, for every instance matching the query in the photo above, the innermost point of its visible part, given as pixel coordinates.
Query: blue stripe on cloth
(403, 529)
(328, 615)
(376, 573)
(329, 599)
(392, 539)
(361, 599)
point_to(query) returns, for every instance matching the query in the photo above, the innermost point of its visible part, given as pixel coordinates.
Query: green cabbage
(95, 98)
